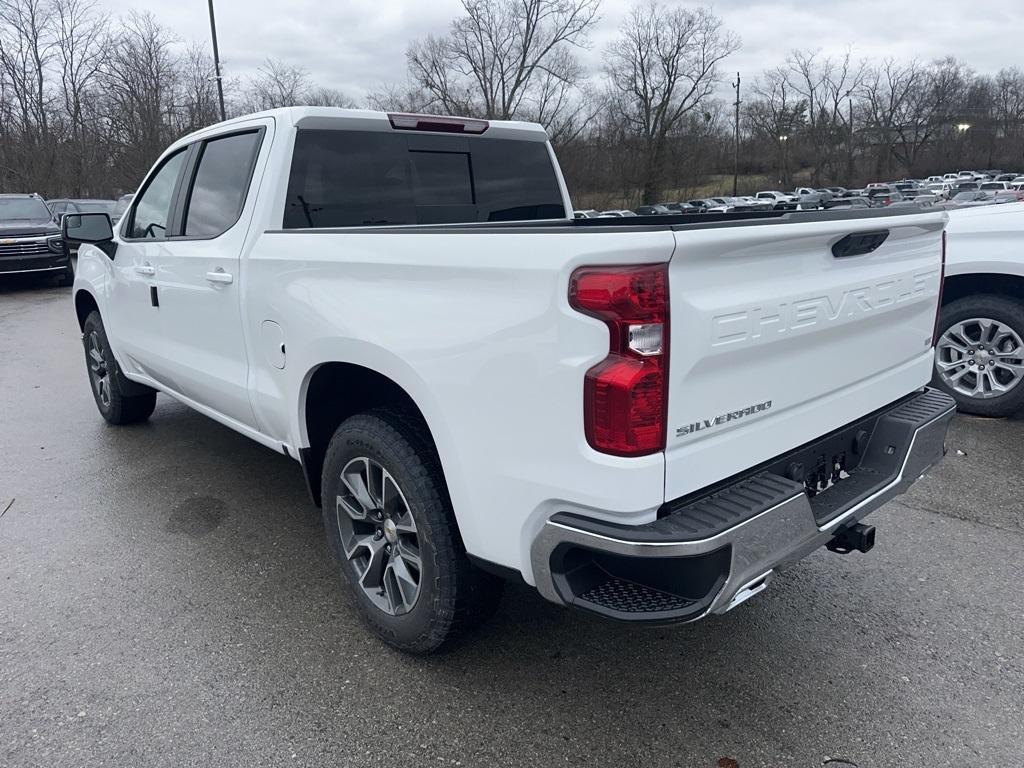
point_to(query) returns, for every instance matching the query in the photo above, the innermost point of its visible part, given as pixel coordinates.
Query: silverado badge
(702, 424)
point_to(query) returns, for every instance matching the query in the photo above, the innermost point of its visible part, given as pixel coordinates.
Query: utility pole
(736, 143)
(216, 62)
(849, 169)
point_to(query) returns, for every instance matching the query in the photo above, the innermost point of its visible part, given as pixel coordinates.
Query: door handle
(145, 269)
(219, 276)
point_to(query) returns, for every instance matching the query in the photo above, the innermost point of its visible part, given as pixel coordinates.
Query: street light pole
(216, 62)
(736, 144)
(961, 130)
(785, 169)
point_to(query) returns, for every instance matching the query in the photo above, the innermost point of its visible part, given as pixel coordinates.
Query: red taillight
(625, 401)
(406, 122)
(942, 284)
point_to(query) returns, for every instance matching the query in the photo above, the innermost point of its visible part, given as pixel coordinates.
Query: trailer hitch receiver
(857, 537)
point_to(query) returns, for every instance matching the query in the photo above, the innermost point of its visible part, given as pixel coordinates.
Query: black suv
(30, 239)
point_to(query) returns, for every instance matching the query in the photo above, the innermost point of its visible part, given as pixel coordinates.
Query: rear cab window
(343, 178)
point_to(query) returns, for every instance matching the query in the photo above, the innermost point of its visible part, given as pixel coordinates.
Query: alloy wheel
(379, 536)
(98, 372)
(980, 358)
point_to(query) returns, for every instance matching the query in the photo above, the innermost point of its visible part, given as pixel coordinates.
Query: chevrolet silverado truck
(979, 357)
(30, 240)
(644, 418)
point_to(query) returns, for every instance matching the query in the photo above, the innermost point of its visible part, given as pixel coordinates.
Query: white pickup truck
(980, 352)
(644, 418)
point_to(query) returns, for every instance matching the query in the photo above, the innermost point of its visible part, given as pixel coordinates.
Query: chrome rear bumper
(709, 553)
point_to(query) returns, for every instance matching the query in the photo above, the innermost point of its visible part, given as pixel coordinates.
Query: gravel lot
(166, 599)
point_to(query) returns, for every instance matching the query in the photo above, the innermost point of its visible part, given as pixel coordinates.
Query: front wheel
(391, 527)
(979, 357)
(119, 400)
(67, 277)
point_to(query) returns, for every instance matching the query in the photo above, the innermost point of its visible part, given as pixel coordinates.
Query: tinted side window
(358, 178)
(515, 181)
(153, 208)
(221, 183)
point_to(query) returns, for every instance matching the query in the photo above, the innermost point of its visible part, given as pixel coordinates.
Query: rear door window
(221, 183)
(360, 178)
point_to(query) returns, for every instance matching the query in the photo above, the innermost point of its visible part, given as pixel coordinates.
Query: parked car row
(698, 205)
(948, 186)
(949, 190)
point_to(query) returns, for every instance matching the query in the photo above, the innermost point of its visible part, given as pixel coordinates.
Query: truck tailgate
(776, 339)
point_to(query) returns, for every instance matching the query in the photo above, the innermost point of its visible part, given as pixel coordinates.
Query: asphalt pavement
(167, 599)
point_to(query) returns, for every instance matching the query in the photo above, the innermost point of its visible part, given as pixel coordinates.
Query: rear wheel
(391, 527)
(119, 400)
(979, 357)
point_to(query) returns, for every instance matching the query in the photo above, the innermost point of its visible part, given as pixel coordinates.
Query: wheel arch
(332, 392)
(977, 283)
(85, 303)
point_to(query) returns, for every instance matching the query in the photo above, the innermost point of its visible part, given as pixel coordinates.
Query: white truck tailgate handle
(859, 243)
(145, 269)
(219, 276)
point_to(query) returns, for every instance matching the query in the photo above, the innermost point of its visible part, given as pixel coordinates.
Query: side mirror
(94, 228)
(87, 227)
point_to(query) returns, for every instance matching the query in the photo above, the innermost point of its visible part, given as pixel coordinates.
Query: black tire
(1008, 312)
(454, 596)
(119, 400)
(67, 277)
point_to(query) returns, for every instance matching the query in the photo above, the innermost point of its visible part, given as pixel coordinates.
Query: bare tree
(507, 59)
(399, 98)
(199, 104)
(663, 66)
(1009, 112)
(140, 82)
(279, 84)
(26, 50)
(826, 84)
(949, 87)
(561, 104)
(776, 114)
(328, 97)
(87, 101)
(81, 41)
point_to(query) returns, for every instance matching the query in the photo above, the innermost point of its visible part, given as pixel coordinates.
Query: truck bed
(680, 222)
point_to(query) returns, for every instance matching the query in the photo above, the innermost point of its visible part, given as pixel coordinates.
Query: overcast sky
(356, 45)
